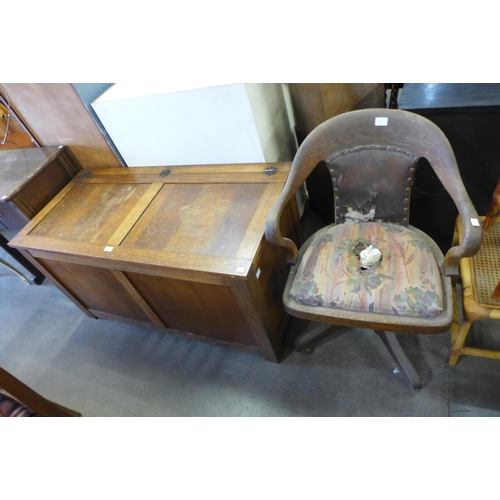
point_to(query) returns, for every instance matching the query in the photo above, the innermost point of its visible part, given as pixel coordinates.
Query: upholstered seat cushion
(405, 282)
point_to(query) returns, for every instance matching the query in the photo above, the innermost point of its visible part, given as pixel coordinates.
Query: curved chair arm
(471, 240)
(312, 151)
(272, 228)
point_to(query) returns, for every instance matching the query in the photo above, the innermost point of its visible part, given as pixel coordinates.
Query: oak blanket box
(178, 249)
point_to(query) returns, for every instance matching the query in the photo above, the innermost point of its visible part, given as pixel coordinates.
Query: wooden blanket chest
(178, 249)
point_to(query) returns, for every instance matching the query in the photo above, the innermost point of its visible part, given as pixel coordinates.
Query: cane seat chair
(480, 283)
(372, 156)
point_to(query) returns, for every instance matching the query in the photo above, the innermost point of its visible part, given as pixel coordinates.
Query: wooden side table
(29, 179)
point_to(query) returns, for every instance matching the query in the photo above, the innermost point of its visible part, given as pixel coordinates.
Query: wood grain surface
(182, 252)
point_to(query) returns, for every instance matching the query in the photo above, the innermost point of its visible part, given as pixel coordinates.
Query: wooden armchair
(480, 283)
(372, 156)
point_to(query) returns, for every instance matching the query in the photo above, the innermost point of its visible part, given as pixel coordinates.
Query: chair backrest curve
(398, 139)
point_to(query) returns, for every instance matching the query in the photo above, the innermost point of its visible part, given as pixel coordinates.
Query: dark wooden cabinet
(178, 249)
(29, 179)
(469, 116)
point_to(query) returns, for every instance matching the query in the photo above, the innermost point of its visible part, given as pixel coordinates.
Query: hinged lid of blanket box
(206, 219)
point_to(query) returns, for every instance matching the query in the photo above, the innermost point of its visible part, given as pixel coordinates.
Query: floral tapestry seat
(405, 282)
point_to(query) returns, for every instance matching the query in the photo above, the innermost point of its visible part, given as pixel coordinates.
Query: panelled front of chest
(183, 252)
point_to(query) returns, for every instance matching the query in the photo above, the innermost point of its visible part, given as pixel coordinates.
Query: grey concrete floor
(106, 368)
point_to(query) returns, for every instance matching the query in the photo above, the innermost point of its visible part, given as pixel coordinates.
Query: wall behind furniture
(314, 103)
(55, 115)
(154, 123)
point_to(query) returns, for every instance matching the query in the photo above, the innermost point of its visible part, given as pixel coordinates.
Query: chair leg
(38, 277)
(404, 364)
(455, 325)
(456, 347)
(305, 343)
(14, 270)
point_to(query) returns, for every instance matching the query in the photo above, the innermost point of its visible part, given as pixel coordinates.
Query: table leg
(38, 277)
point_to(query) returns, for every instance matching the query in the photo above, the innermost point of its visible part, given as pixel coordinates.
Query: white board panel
(200, 126)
